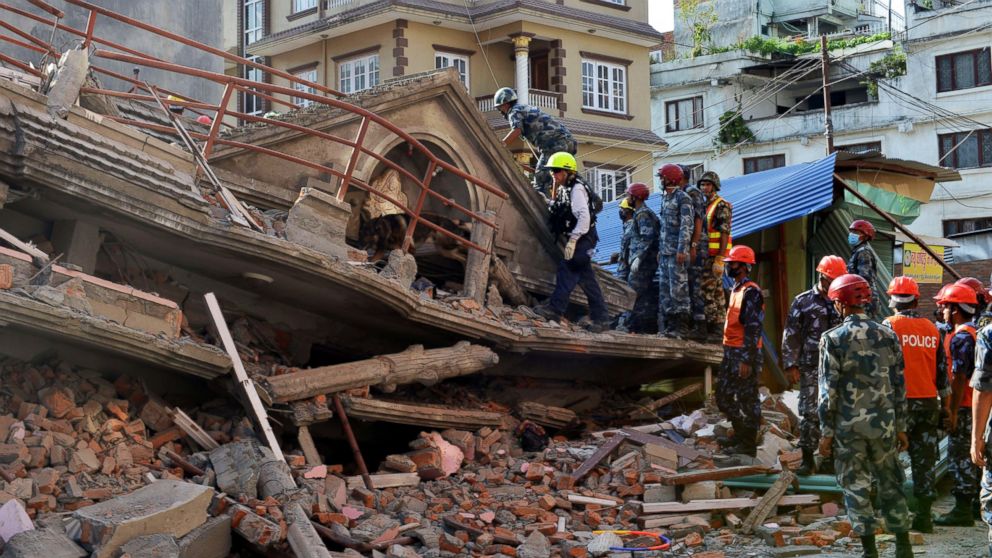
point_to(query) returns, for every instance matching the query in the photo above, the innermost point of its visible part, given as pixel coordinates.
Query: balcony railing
(544, 100)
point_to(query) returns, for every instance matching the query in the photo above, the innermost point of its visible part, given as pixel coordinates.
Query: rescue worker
(864, 260)
(925, 373)
(578, 222)
(960, 304)
(736, 385)
(981, 381)
(641, 235)
(811, 314)
(696, 251)
(984, 316)
(863, 414)
(674, 244)
(718, 244)
(546, 134)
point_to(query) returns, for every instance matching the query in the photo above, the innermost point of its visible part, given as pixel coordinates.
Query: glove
(718, 268)
(635, 266)
(570, 248)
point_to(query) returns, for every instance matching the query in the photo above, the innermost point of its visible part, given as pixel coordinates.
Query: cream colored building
(583, 61)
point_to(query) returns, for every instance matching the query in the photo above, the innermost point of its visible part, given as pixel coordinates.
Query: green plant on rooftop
(700, 16)
(892, 65)
(733, 130)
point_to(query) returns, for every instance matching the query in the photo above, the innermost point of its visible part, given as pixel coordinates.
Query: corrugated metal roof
(761, 200)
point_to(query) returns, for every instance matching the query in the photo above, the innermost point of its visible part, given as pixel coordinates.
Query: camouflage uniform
(641, 238)
(963, 471)
(737, 397)
(864, 262)
(713, 296)
(546, 134)
(675, 237)
(810, 315)
(922, 420)
(695, 265)
(981, 381)
(863, 407)
(984, 319)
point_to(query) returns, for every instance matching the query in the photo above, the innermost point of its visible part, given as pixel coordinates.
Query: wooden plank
(724, 504)
(579, 499)
(642, 438)
(384, 480)
(193, 430)
(308, 447)
(769, 501)
(432, 416)
(25, 247)
(242, 376)
(714, 474)
(650, 408)
(653, 522)
(606, 449)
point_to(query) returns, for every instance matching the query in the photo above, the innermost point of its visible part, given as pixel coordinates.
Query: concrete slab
(210, 540)
(42, 542)
(151, 546)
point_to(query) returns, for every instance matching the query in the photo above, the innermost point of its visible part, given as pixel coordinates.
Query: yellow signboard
(920, 266)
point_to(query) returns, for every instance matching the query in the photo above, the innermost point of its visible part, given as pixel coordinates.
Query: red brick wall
(979, 269)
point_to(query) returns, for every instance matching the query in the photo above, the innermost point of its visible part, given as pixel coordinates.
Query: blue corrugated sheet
(761, 200)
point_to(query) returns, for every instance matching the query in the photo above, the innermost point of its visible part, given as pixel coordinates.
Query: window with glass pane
(964, 70)
(251, 103)
(253, 20)
(684, 114)
(604, 86)
(964, 150)
(309, 75)
(302, 5)
(611, 184)
(758, 164)
(448, 60)
(358, 74)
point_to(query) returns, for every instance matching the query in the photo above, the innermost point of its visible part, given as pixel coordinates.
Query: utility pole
(827, 122)
(890, 18)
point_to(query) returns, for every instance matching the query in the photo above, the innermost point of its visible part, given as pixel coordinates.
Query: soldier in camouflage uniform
(864, 260)
(981, 381)
(925, 372)
(547, 135)
(736, 386)
(811, 314)
(863, 414)
(717, 244)
(640, 260)
(696, 251)
(674, 244)
(960, 304)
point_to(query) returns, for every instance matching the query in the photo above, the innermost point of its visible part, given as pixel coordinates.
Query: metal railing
(265, 91)
(547, 100)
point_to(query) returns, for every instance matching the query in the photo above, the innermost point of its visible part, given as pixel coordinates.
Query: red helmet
(904, 286)
(960, 294)
(974, 284)
(832, 266)
(638, 191)
(204, 119)
(671, 174)
(850, 289)
(863, 227)
(939, 297)
(741, 254)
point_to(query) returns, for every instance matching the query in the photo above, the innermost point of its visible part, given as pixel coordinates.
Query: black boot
(959, 516)
(748, 443)
(923, 522)
(729, 442)
(698, 331)
(868, 548)
(809, 463)
(714, 333)
(903, 547)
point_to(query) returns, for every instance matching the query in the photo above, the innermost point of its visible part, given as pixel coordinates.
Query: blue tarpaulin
(761, 200)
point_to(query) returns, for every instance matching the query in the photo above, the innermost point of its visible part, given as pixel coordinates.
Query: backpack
(560, 217)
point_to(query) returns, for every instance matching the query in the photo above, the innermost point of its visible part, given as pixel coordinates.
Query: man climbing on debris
(926, 378)
(696, 251)
(638, 268)
(981, 381)
(546, 134)
(674, 244)
(864, 260)
(717, 242)
(573, 213)
(736, 385)
(811, 314)
(863, 414)
(960, 305)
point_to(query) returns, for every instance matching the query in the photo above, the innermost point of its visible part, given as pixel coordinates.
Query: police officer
(641, 235)
(926, 377)
(696, 251)
(674, 244)
(736, 385)
(960, 304)
(547, 135)
(864, 260)
(718, 243)
(571, 201)
(811, 314)
(863, 414)
(981, 381)
(984, 314)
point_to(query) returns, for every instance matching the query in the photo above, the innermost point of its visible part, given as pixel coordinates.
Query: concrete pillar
(521, 52)
(79, 242)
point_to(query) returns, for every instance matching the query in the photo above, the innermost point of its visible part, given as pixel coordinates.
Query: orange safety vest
(966, 399)
(919, 339)
(714, 235)
(733, 329)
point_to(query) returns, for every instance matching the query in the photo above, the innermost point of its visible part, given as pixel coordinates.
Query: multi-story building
(584, 61)
(938, 111)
